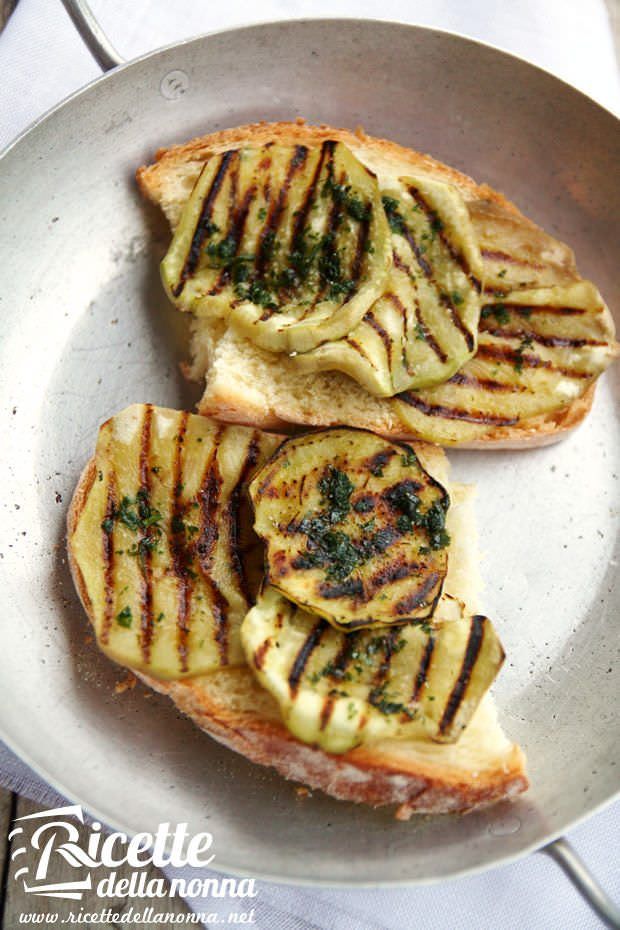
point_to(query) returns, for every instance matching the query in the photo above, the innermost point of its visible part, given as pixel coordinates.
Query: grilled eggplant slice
(338, 690)
(157, 548)
(354, 526)
(291, 243)
(424, 327)
(538, 351)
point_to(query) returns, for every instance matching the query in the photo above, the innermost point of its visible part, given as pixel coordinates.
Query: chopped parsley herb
(100, 474)
(379, 699)
(457, 298)
(336, 489)
(124, 617)
(222, 252)
(499, 311)
(364, 504)
(436, 225)
(502, 273)
(350, 201)
(141, 549)
(424, 625)
(107, 525)
(160, 616)
(519, 352)
(394, 216)
(351, 710)
(409, 458)
(262, 214)
(402, 497)
(420, 332)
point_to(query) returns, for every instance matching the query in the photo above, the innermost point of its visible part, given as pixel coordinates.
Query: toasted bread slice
(248, 385)
(419, 776)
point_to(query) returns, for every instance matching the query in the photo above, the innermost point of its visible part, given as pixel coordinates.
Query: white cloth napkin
(42, 60)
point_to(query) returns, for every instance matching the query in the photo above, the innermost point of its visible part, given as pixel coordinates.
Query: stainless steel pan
(87, 330)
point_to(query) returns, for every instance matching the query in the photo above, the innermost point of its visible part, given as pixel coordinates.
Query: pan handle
(94, 38)
(565, 856)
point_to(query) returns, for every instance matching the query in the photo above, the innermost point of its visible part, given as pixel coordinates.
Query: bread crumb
(126, 684)
(302, 792)
(88, 639)
(404, 812)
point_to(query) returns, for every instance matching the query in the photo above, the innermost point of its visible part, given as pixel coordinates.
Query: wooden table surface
(13, 900)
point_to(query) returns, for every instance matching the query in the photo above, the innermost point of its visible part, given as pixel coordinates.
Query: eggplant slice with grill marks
(158, 551)
(338, 690)
(354, 528)
(424, 326)
(538, 351)
(290, 243)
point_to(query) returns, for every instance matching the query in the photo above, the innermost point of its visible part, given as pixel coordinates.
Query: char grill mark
(474, 644)
(551, 342)
(338, 669)
(235, 230)
(334, 219)
(327, 151)
(108, 560)
(209, 498)
(514, 357)
(232, 514)
(417, 597)
(181, 557)
(422, 673)
(454, 413)
(372, 321)
(275, 214)
(398, 305)
(360, 350)
(301, 659)
(454, 253)
(350, 587)
(200, 232)
(261, 653)
(360, 248)
(497, 256)
(393, 571)
(144, 467)
(485, 384)
(390, 639)
(442, 297)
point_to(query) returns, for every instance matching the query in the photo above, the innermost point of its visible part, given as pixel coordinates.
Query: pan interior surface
(87, 330)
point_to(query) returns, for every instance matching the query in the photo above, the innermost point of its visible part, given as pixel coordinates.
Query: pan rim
(298, 21)
(100, 814)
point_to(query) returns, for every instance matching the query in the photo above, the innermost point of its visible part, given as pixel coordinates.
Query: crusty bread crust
(168, 182)
(376, 776)
(153, 178)
(361, 775)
